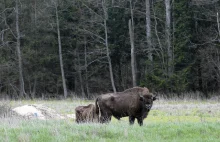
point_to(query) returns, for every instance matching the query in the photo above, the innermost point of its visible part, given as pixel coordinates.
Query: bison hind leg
(105, 118)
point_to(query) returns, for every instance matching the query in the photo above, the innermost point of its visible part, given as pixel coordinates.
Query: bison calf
(85, 114)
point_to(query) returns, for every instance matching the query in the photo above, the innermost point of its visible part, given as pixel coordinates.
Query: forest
(67, 48)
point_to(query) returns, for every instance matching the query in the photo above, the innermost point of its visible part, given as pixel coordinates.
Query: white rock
(29, 112)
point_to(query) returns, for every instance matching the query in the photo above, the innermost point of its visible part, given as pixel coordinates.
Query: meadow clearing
(169, 120)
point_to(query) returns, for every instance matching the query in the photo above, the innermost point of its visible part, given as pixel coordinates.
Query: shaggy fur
(135, 103)
(85, 114)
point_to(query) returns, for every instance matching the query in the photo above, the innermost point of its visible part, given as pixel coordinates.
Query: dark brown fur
(135, 103)
(85, 114)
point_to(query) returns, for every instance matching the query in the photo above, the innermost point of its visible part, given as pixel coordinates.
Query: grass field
(179, 121)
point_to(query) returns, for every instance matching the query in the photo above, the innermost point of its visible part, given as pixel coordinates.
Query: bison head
(146, 104)
(147, 100)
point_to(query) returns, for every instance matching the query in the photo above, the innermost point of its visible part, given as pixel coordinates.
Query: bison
(135, 103)
(86, 114)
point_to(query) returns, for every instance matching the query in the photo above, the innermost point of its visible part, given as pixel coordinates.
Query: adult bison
(86, 114)
(135, 103)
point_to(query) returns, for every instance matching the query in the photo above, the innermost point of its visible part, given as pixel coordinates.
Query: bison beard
(86, 114)
(135, 103)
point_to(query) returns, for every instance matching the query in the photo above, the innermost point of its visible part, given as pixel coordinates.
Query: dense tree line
(84, 47)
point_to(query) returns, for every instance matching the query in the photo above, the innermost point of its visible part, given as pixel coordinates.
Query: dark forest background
(85, 47)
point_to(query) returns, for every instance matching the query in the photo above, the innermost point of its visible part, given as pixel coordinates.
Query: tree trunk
(218, 25)
(173, 32)
(76, 92)
(35, 12)
(159, 41)
(33, 93)
(148, 31)
(86, 70)
(80, 74)
(133, 56)
(106, 44)
(21, 79)
(133, 71)
(168, 38)
(60, 54)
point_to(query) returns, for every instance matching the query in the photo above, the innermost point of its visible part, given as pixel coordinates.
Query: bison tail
(98, 112)
(97, 106)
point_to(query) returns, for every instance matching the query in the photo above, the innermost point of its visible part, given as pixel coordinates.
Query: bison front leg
(131, 120)
(105, 118)
(140, 121)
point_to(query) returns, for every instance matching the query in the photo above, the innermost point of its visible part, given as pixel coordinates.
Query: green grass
(64, 131)
(169, 124)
